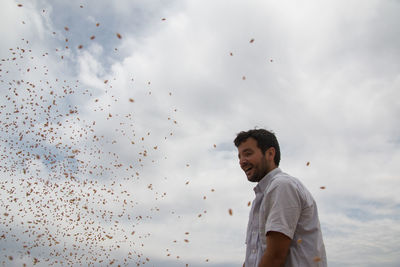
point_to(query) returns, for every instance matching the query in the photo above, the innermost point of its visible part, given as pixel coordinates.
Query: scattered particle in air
(316, 259)
(47, 129)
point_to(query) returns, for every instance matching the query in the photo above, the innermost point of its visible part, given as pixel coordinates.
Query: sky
(118, 120)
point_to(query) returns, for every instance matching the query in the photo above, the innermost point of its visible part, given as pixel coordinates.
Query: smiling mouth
(247, 170)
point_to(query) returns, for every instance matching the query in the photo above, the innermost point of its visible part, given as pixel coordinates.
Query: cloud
(151, 106)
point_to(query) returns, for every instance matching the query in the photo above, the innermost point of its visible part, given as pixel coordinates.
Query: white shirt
(284, 205)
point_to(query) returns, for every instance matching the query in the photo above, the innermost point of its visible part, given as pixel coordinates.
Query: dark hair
(265, 139)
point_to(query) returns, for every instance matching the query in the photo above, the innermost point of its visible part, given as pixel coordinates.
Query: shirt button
(253, 251)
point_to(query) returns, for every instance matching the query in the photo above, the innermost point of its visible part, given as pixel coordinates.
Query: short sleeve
(283, 207)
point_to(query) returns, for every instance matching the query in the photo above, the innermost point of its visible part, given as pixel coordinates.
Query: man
(283, 228)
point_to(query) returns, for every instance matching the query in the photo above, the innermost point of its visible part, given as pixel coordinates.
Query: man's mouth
(248, 170)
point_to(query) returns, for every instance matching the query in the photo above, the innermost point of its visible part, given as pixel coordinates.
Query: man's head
(259, 153)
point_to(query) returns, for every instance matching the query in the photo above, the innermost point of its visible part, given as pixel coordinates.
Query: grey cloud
(330, 94)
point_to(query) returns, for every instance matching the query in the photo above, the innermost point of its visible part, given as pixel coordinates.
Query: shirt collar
(262, 184)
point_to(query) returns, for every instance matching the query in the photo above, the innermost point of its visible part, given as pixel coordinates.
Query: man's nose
(242, 161)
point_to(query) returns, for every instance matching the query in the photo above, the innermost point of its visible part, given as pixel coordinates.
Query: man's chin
(252, 178)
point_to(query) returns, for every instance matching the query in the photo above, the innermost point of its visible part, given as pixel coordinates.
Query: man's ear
(270, 153)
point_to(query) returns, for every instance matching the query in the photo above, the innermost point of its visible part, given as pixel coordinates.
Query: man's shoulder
(282, 178)
(286, 182)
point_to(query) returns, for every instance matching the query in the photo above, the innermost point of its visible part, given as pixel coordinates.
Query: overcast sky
(117, 122)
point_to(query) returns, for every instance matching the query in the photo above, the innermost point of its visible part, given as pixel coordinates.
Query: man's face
(253, 162)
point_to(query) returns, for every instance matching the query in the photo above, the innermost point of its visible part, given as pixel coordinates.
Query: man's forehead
(248, 144)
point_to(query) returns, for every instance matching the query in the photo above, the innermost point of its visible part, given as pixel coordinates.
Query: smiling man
(283, 228)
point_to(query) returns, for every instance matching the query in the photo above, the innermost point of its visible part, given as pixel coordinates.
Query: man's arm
(277, 249)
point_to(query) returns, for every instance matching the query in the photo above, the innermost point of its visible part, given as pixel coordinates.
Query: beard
(259, 171)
